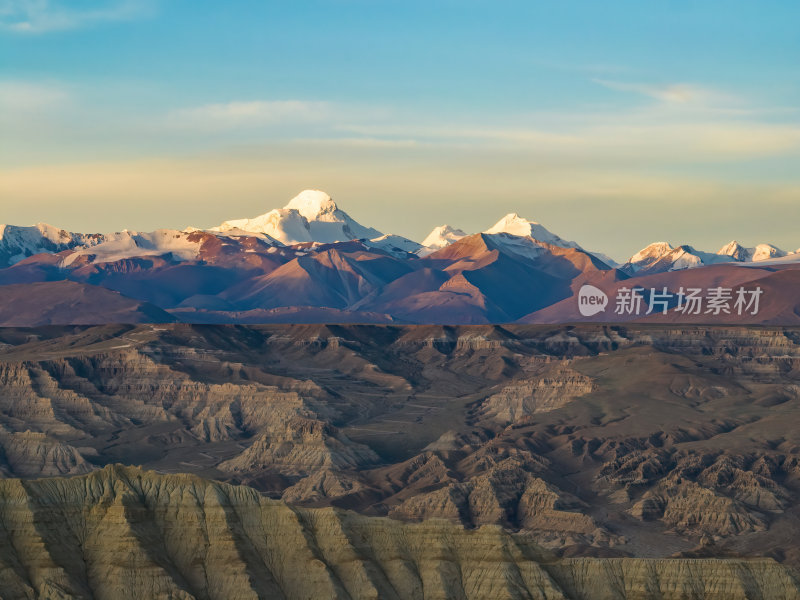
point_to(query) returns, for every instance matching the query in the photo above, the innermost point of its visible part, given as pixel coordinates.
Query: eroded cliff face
(299, 446)
(123, 532)
(552, 387)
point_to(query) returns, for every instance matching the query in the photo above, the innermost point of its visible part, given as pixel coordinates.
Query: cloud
(19, 96)
(673, 94)
(363, 142)
(604, 140)
(250, 113)
(74, 122)
(42, 16)
(596, 68)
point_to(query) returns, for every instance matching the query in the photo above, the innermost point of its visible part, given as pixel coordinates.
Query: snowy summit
(760, 252)
(513, 224)
(442, 236)
(311, 216)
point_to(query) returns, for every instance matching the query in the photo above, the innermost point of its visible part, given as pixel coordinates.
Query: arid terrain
(587, 442)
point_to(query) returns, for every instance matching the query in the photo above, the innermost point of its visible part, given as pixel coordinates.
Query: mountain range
(312, 262)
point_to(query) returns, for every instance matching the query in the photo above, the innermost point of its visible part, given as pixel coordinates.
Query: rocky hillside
(127, 533)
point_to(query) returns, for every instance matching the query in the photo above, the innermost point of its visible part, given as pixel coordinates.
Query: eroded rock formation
(637, 441)
(124, 533)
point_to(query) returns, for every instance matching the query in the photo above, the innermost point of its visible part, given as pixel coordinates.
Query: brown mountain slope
(486, 278)
(334, 278)
(61, 302)
(479, 279)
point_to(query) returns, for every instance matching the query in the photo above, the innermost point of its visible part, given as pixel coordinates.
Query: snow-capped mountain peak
(130, 244)
(760, 252)
(313, 205)
(18, 243)
(311, 216)
(36, 232)
(442, 236)
(766, 252)
(662, 256)
(283, 224)
(655, 251)
(513, 224)
(735, 250)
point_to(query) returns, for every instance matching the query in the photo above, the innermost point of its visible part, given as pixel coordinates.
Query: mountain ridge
(312, 216)
(312, 260)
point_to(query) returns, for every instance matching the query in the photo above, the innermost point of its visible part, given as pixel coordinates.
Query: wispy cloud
(26, 96)
(250, 113)
(586, 68)
(606, 140)
(683, 127)
(42, 16)
(673, 93)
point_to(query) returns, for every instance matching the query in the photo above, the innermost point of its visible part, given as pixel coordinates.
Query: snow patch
(394, 244)
(18, 243)
(523, 246)
(132, 244)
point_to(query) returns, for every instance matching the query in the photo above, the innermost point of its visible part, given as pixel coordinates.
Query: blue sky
(674, 120)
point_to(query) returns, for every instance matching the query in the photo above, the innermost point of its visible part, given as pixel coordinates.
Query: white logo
(591, 300)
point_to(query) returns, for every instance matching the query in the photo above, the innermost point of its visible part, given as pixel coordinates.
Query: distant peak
(730, 247)
(311, 203)
(766, 251)
(513, 224)
(742, 254)
(652, 251)
(311, 216)
(736, 251)
(442, 229)
(442, 236)
(662, 246)
(511, 218)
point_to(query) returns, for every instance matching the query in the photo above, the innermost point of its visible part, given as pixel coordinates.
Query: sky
(615, 124)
